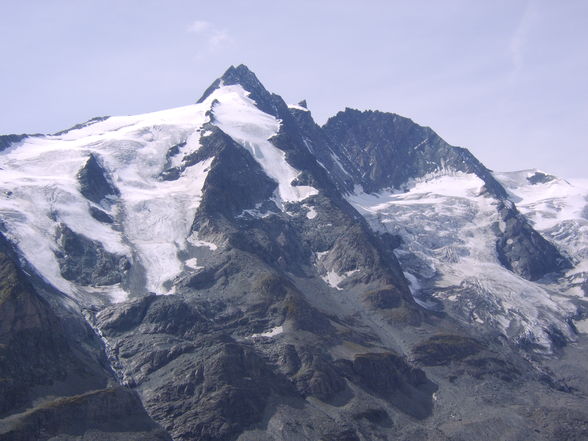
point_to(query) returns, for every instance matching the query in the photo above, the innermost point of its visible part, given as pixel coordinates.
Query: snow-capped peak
(150, 219)
(237, 115)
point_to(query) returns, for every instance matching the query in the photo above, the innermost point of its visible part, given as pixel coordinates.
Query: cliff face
(54, 377)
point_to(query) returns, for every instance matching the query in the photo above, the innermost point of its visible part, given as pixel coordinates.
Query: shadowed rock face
(388, 376)
(388, 150)
(7, 140)
(109, 414)
(86, 262)
(443, 349)
(31, 340)
(236, 182)
(524, 251)
(94, 182)
(540, 178)
(53, 377)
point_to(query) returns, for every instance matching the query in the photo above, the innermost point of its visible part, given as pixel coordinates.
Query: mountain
(230, 270)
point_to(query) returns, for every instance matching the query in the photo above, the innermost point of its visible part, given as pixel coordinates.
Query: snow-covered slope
(40, 190)
(151, 217)
(449, 226)
(559, 210)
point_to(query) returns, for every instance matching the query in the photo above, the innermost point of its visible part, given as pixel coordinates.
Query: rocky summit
(230, 270)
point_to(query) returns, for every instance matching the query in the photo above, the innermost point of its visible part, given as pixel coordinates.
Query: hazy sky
(507, 79)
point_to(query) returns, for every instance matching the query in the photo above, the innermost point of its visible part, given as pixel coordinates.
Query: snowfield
(449, 230)
(39, 189)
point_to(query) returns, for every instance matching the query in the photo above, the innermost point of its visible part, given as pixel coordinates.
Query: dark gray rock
(388, 150)
(540, 178)
(318, 376)
(444, 349)
(321, 146)
(112, 414)
(95, 185)
(341, 435)
(101, 216)
(86, 262)
(389, 376)
(524, 251)
(7, 140)
(376, 416)
(202, 375)
(196, 380)
(235, 182)
(91, 121)
(34, 351)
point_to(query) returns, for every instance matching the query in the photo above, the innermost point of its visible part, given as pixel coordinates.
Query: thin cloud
(519, 40)
(200, 26)
(215, 37)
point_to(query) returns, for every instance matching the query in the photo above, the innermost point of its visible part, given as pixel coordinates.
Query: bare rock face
(540, 178)
(388, 376)
(54, 378)
(95, 184)
(443, 349)
(111, 414)
(204, 373)
(524, 251)
(86, 262)
(8, 140)
(387, 150)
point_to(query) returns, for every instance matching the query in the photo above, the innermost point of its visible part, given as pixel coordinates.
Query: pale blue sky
(507, 79)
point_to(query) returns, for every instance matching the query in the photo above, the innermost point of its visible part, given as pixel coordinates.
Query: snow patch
(582, 325)
(158, 221)
(297, 107)
(549, 203)
(194, 240)
(258, 212)
(413, 282)
(338, 162)
(236, 115)
(333, 279)
(271, 333)
(558, 209)
(311, 213)
(193, 263)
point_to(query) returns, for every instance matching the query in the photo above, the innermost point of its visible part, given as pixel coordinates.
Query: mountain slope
(54, 378)
(251, 275)
(458, 225)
